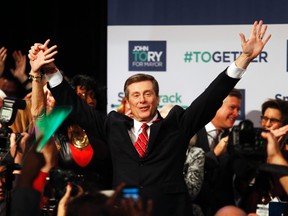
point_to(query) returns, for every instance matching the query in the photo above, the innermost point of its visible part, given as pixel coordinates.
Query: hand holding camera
(18, 145)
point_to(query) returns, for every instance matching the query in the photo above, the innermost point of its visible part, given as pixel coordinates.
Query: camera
(59, 178)
(9, 109)
(246, 140)
(7, 116)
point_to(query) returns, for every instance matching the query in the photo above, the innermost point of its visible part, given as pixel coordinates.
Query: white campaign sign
(195, 55)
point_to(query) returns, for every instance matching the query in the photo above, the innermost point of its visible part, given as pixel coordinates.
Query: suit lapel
(202, 140)
(128, 122)
(154, 130)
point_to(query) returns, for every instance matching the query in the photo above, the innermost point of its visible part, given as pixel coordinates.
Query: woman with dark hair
(265, 186)
(90, 91)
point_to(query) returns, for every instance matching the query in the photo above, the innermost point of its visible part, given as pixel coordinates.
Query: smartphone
(132, 192)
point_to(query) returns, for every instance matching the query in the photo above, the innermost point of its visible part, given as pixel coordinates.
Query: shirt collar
(210, 127)
(137, 124)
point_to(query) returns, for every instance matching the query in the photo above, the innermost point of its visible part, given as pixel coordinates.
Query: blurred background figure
(124, 108)
(10, 168)
(2, 191)
(2, 96)
(230, 211)
(14, 80)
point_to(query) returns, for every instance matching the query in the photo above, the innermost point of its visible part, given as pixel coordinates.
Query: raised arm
(40, 55)
(253, 46)
(37, 97)
(20, 68)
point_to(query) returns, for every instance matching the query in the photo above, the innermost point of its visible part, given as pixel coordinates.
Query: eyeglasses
(272, 120)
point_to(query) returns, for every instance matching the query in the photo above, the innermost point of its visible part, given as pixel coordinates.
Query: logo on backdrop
(219, 56)
(147, 55)
(176, 98)
(281, 96)
(165, 99)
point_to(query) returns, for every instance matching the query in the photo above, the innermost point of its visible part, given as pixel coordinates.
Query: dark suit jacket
(160, 174)
(217, 188)
(25, 202)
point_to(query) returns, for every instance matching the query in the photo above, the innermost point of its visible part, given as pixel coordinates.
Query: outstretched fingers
(49, 53)
(267, 39)
(254, 30)
(243, 39)
(45, 45)
(37, 47)
(260, 31)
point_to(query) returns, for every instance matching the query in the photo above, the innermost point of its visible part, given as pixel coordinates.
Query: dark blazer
(217, 188)
(160, 174)
(25, 202)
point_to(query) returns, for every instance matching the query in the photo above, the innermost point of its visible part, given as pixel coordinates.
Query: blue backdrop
(191, 12)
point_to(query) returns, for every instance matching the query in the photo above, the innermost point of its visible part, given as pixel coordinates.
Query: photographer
(274, 156)
(262, 187)
(13, 149)
(10, 169)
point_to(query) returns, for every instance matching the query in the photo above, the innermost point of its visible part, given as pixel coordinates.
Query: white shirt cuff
(234, 72)
(54, 79)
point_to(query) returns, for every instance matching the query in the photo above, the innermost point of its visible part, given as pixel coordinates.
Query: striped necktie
(213, 137)
(142, 141)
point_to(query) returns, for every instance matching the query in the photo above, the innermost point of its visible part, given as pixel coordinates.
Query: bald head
(230, 210)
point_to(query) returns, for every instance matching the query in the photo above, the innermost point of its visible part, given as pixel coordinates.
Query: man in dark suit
(159, 172)
(217, 188)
